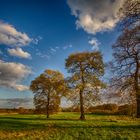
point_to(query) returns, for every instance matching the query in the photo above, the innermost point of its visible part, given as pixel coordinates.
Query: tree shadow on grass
(21, 118)
(37, 118)
(19, 124)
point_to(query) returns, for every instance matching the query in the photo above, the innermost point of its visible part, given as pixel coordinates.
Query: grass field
(67, 126)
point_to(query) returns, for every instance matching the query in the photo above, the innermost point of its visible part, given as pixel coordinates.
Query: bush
(125, 110)
(22, 110)
(103, 112)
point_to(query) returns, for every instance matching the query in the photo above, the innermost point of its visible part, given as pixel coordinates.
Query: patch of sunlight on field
(67, 126)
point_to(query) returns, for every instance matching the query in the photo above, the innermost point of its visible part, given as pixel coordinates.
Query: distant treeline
(110, 109)
(20, 110)
(105, 109)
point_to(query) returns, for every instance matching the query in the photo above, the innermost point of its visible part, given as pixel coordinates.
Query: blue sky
(40, 34)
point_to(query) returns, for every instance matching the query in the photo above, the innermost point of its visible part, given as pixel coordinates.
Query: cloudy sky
(39, 34)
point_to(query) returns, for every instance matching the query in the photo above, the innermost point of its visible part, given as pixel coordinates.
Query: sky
(40, 34)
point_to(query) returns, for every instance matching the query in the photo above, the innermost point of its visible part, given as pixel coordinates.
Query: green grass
(67, 126)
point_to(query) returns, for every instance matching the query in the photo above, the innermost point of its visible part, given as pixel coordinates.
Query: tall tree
(126, 66)
(127, 51)
(48, 88)
(86, 69)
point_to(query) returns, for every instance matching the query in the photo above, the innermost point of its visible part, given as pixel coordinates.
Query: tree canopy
(86, 69)
(126, 52)
(48, 88)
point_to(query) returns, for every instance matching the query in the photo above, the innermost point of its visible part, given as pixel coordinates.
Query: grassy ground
(67, 126)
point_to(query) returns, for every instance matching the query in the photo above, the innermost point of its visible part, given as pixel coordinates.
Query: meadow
(67, 126)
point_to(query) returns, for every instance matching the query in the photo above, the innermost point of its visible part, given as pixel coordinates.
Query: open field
(66, 126)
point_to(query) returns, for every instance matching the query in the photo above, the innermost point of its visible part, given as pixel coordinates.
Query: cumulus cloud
(95, 15)
(19, 53)
(94, 43)
(11, 75)
(11, 37)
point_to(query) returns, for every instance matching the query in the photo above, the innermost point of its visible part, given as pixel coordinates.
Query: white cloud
(42, 55)
(53, 50)
(19, 53)
(11, 75)
(11, 37)
(36, 40)
(95, 15)
(94, 43)
(67, 46)
(57, 47)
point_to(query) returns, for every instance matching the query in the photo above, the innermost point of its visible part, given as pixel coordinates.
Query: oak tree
(86, 69)
(48, 88)
(126, 67)
(126, 52)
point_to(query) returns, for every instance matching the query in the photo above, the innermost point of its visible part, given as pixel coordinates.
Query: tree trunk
(138, 106)
(137, 88)
(48, 103)
(82, 117)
